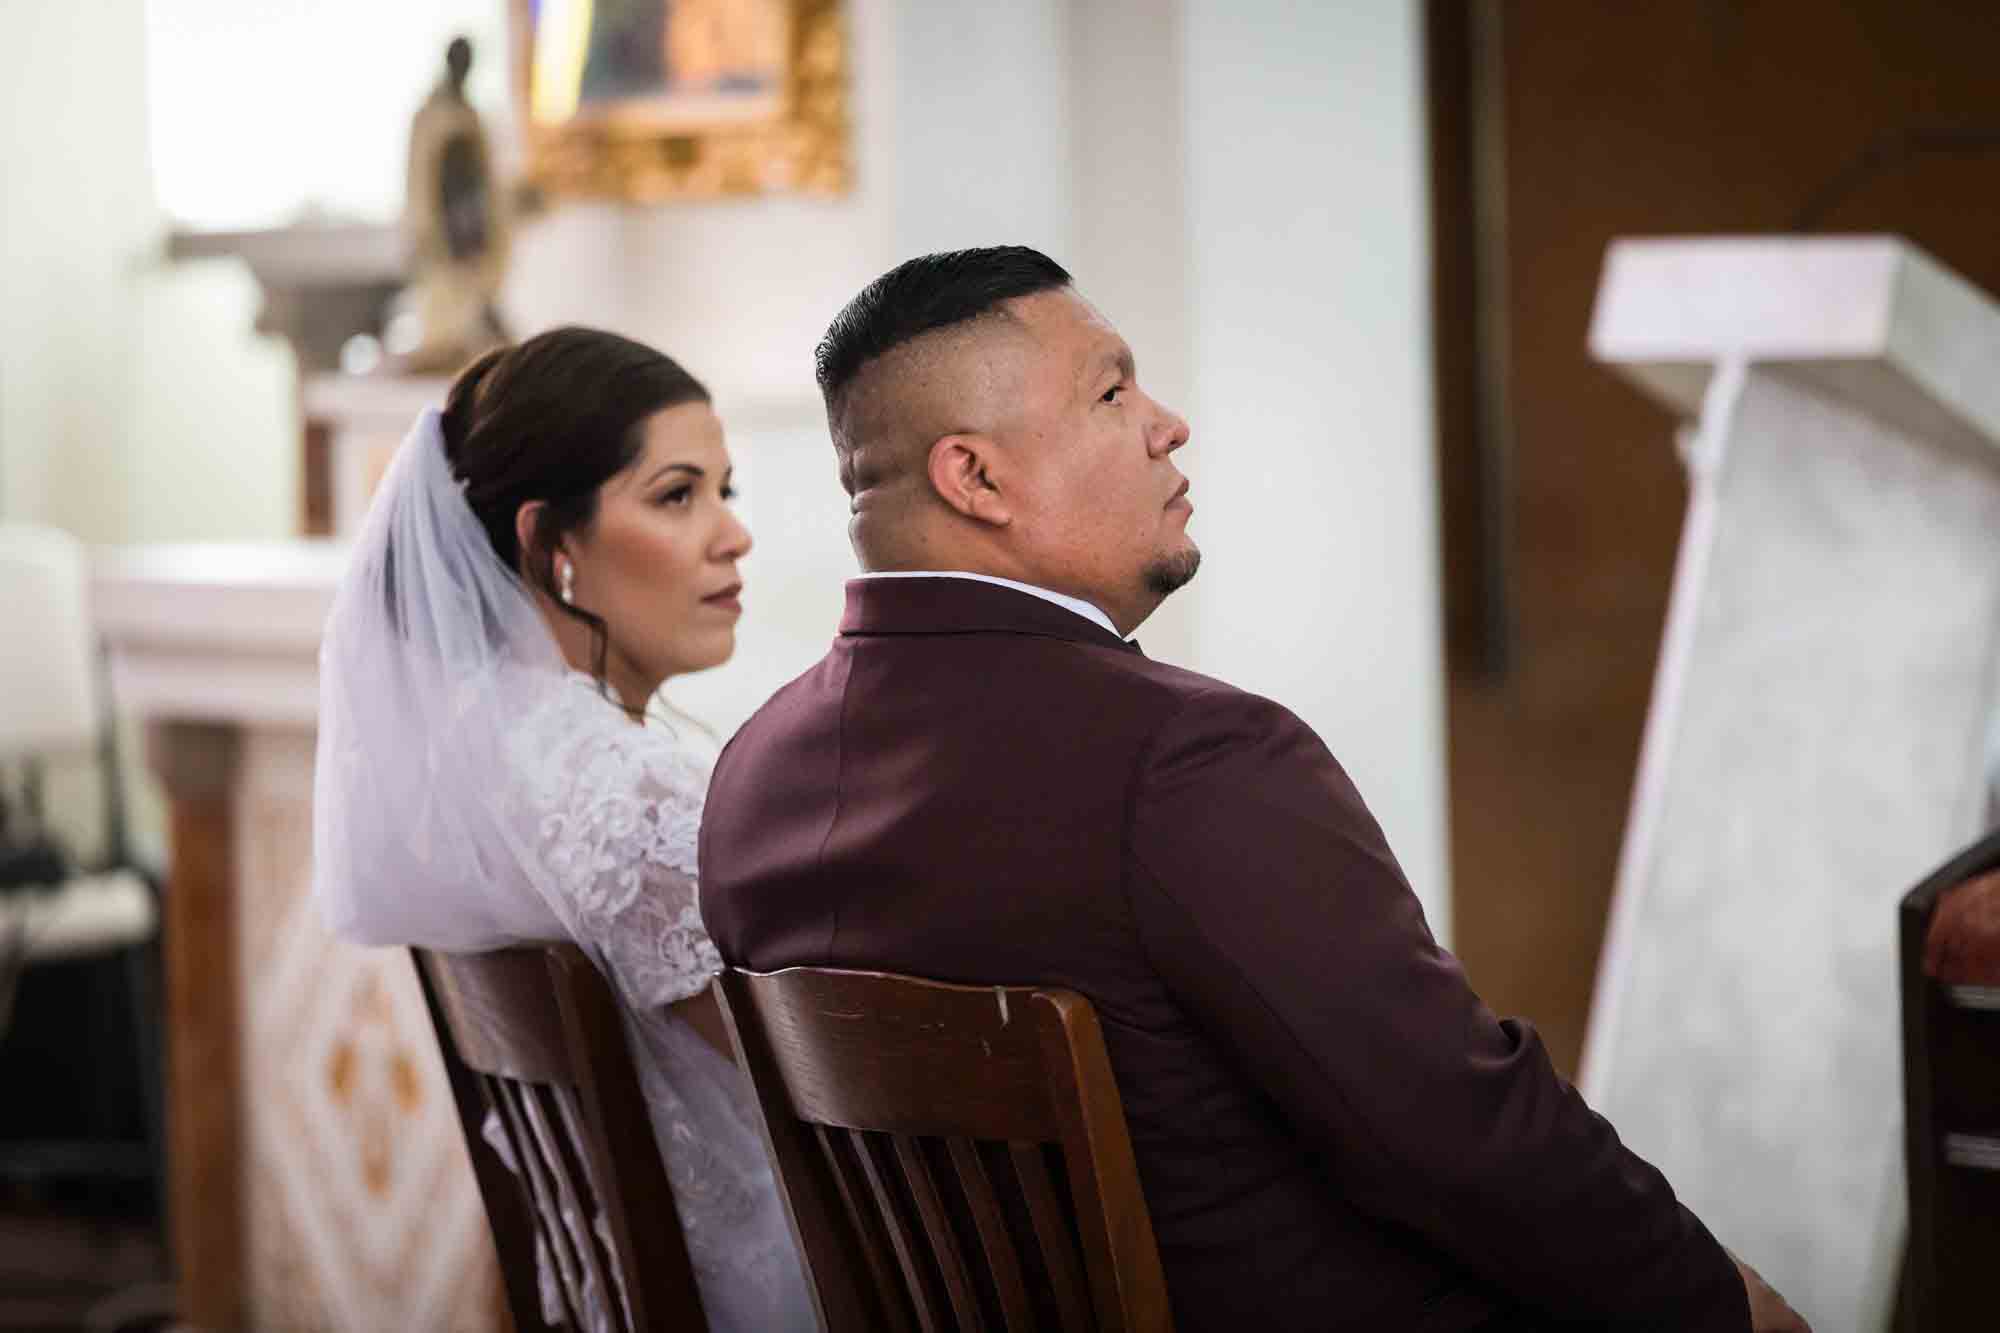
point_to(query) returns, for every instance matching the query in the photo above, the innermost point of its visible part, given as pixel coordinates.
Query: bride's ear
(526, 519)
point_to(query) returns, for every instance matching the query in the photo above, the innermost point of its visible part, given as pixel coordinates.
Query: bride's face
(658, 562)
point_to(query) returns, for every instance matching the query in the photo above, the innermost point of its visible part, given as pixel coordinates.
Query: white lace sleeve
(615, 810)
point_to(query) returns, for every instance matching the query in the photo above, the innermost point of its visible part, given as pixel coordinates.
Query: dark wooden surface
(953, 1157)
(508, 1212)
(1951, 1072)
(196, 763)
(315, 478)
(1963, 946)
(703, 1013)
(63, 1270)
(536, 1035)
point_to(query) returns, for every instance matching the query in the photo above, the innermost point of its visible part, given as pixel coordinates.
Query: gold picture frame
(653, 100)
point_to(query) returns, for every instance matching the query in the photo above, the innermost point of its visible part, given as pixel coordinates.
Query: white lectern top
(1870, 319)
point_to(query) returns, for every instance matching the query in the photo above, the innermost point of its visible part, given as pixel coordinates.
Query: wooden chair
(534, 1034)
(1951, 1072)
(952, 1157)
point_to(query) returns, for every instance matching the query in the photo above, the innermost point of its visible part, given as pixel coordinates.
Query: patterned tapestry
(361, 1209)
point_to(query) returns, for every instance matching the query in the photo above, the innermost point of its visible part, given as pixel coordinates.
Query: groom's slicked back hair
(922, 294)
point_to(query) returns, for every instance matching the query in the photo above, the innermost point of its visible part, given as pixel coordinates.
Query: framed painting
(648, 100)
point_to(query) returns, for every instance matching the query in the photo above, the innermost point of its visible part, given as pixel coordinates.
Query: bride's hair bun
(462, 403)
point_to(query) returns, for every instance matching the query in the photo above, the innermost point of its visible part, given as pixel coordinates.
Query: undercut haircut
(923, 294)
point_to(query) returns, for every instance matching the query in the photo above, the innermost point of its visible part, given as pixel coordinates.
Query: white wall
(133, 405)
(982, 127)
(1313, 451)
(1128, 157)
(263, 109)
(74, 215)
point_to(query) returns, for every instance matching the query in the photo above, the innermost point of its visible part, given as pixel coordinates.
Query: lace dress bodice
(614, 813)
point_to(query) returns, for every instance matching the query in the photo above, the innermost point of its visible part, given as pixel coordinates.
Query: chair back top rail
(503, 1013)
(855, 1052)
(1977, 859)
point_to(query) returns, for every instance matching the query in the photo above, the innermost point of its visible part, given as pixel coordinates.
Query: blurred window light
(360, 354)
(562, 40)
(263, 112)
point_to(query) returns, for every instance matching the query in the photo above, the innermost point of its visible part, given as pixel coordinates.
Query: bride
(493, 767)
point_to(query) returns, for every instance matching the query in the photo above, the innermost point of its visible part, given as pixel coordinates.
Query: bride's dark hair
(552, 419)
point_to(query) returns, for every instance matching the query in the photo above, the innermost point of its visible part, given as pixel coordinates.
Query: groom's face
(1101, 509)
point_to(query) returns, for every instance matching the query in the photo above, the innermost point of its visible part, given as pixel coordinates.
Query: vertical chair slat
(1128, 1285)
(998, 1244)
(637, 1219)
(548, 1209)
(540, 1209)
(900, 1237)
(944, 1241)
(509, 1211)
(573, 1134)
(579, 1212)
(1058, 1245)
(873, 1242)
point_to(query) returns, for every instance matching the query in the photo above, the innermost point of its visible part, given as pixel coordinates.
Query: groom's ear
(964, 473)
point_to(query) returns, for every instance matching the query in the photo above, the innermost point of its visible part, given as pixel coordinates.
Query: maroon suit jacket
(1332, 1131)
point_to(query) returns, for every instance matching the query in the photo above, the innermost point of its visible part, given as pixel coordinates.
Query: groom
(984, 781)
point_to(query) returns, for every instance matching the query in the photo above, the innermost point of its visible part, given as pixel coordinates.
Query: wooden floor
(72, 1272)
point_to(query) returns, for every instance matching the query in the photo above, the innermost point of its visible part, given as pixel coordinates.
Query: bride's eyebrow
(688, 468)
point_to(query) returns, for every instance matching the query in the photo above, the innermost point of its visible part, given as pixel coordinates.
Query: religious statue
(455, 226)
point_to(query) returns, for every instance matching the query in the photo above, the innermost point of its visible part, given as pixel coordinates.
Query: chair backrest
(48, 701)
(1951, 1088)
(951, 1156)
(534, 1035)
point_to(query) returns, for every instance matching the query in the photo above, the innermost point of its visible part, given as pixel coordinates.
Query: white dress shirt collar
(1072, 604)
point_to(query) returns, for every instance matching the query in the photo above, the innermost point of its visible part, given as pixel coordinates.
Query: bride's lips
(726, 599)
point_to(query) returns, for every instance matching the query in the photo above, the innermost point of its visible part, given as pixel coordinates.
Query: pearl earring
(566, 580)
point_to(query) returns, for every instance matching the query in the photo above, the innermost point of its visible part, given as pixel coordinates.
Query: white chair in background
(47, 702)
(50, 712)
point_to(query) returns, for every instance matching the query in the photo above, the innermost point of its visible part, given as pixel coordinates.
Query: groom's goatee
(1171, 573)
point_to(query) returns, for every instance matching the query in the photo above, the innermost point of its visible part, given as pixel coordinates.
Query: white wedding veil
(433, 652)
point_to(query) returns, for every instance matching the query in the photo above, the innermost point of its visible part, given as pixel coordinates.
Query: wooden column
(197, 763)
